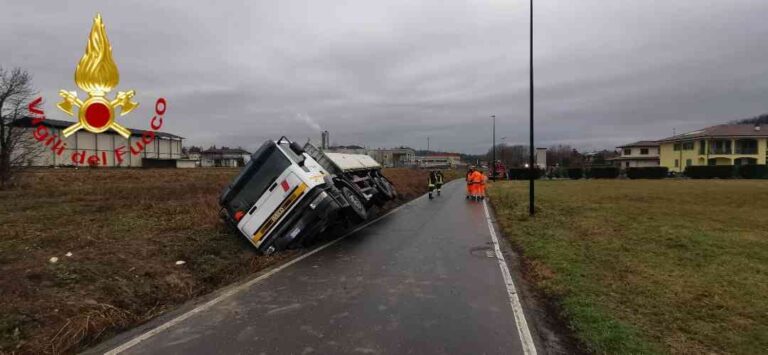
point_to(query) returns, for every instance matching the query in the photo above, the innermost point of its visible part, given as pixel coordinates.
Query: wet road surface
(422, 280)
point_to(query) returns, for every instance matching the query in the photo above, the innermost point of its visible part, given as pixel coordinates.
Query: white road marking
(514, 301)
(237, 289)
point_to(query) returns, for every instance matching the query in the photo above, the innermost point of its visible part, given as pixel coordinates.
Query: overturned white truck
(286, 195)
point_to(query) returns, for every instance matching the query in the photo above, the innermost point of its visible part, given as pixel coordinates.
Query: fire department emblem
(97, 74)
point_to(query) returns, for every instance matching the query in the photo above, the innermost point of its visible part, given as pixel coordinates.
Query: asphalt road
(422, 280)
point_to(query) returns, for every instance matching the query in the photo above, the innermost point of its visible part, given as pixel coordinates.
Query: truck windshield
(265, 167)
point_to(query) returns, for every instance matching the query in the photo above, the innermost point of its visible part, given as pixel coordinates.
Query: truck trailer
(288, 194)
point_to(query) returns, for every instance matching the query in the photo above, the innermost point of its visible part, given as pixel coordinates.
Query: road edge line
(237, 289)
(517, 309)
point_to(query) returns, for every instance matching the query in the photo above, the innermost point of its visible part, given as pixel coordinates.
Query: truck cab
(281, 196)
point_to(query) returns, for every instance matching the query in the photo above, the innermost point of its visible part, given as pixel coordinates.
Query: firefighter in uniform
(439, 181)
(431, 183)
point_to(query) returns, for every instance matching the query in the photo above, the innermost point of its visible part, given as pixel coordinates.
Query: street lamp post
(503, 145)
(531, 209)
(492, 165)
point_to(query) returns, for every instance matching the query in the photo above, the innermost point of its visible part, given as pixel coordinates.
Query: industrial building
(224, 157)
(439, 161)
(395, 157)
(110, 148)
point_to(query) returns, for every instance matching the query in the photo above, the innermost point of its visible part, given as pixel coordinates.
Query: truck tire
(384, 187)
(355, 203)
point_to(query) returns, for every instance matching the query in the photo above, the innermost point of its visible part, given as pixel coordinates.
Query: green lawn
(654, 266)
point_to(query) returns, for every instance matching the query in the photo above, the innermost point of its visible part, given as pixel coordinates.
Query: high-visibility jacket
(476, 177)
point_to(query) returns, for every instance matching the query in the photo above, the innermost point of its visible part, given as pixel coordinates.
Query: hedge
(651, 172)
(709, 171)
(575, 173)
(753, 171)
(523, 173)
(607, 172)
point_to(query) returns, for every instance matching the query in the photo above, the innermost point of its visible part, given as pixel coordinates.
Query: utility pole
(492, 165)
(427, 144)
(531, 207)
(503, 145)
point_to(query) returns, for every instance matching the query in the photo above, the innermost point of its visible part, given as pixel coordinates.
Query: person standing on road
(469, 181)
(431, 183)
(438, 181)
(475, 179)
(483, 182)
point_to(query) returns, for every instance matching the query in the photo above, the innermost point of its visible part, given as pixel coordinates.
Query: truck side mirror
(296, 148)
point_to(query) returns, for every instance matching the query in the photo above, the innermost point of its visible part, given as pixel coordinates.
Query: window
(720, 146)
(677, 163)
(627, 151)
(259, 174)
(643, 151)
(676, 147)
(702, 147)
(688, 162)
(688, 146)
(746, 146)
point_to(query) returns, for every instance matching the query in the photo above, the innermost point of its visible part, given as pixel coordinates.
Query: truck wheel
(355, 203)
(384, 187)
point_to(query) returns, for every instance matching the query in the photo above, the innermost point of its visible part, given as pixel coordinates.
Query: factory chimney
(325, 140)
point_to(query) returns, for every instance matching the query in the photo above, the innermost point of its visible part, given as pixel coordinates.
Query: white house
(637, 155)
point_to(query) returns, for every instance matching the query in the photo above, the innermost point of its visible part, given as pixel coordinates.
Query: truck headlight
(316, 202)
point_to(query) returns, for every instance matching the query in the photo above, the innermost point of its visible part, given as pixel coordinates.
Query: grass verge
(668, 266)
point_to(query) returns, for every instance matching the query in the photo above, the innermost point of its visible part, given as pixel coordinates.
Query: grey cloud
(392, 73)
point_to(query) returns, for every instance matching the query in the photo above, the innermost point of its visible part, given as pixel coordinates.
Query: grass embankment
(125, 229)
(663, 266)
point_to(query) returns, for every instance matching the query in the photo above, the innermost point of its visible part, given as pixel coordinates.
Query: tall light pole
(492, 165)
(531, 208)
(427, 144)
(503, 145)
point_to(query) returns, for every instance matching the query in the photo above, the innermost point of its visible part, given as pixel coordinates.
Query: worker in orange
(481, 186)
(476, 179)
(469, 181)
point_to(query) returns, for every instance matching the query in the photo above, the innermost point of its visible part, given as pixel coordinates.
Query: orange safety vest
(476, 177)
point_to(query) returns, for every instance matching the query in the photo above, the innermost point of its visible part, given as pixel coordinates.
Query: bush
(709, 171)
(575, 173)
(607, 172)
(523, 173)
(651, 172)
(753, 171)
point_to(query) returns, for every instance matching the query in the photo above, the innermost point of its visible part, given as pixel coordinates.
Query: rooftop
(640, 144)
(723, 130)
(27, 122)
(225, 150)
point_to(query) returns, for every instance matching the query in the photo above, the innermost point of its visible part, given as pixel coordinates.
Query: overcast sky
(390, 73)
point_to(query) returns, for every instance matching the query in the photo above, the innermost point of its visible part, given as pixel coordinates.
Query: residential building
(637, 155)
(726, 144)
(113, 149)
(224, 157)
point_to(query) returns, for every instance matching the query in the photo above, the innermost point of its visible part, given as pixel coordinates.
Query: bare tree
(16, 144)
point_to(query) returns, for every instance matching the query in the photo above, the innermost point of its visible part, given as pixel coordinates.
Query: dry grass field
(125, 230)
(654, 266)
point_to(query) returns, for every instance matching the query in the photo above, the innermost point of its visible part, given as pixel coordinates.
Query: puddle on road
(483, 252)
